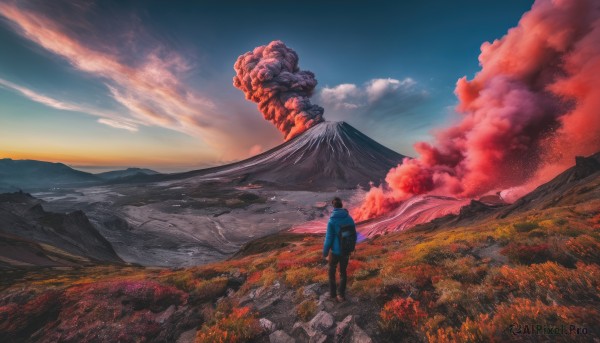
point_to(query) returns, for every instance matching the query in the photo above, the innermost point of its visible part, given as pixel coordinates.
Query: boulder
(358, 335)
(342, 329)
(267, 325)
(165, 315)
(280, 336)
(267, 303)
(322, 322)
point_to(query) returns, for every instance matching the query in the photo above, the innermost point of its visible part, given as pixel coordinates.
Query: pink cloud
(150, 88)
(107, 118)
(525, 115)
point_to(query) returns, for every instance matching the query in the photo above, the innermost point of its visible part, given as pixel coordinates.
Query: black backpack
(347, 237)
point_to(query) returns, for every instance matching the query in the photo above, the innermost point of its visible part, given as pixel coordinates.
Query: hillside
(475, 278)
(31, 236)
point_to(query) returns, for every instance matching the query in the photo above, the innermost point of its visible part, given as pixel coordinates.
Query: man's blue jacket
(339, 217)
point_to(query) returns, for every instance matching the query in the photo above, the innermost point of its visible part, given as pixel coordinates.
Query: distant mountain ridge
(31, 174)
(116, 174)
(28, 175)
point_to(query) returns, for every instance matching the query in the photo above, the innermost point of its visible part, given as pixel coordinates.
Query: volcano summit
(330, 155)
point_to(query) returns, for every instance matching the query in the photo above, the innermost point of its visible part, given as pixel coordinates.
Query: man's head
(337, 203)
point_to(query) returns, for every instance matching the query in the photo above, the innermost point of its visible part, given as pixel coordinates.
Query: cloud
(377, 100)
(118, 124)
(525, 115)
(39, 98)
(341, 96)
(107, 118)
(378, 88)
(148, 84)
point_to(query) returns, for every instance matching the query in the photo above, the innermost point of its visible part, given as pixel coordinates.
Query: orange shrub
(300, 276)
(306, 309)
(239, 326)
(210, 289)
(521, 320)
(465, 269)
(296, 262)
(550, 281)
(400, 316)
(584, 247)
(321, 276)
(525, 311)
(372, 287)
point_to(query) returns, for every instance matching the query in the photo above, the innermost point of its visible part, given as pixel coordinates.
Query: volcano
(330, 155)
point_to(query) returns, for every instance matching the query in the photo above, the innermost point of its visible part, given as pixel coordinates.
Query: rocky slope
(30, 236)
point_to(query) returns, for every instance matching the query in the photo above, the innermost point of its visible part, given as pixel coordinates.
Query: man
(340, 239)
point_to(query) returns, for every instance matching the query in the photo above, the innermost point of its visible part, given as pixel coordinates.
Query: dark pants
(333, 262)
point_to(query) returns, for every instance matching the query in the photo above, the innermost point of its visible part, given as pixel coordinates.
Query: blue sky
(142, 83)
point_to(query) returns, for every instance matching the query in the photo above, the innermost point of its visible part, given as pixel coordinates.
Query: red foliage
(254, 277)
(401, 315)
(424, 274)
(17, 319)
(294, 262)
(527, 254)
(125, 311)
(353, 266)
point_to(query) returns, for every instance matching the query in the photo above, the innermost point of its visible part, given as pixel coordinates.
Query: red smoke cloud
(534, 105)
(270, 76)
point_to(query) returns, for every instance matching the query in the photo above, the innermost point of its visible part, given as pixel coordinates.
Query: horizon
(70, 100)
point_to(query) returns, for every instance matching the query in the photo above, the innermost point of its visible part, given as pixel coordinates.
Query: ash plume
(533, 106)
(269, 75)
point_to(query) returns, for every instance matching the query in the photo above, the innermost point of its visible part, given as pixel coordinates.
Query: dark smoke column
(270, 76)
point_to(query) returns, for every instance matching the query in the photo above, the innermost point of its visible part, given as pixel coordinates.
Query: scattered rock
(318, 337)
(245, 300)
(325, 302)
(358, 335)
(311, 290)
(164, 316)
(267, 325)
(342, 329)
(300, 331)
(280, 336)
(322, 321)
(268, 303)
